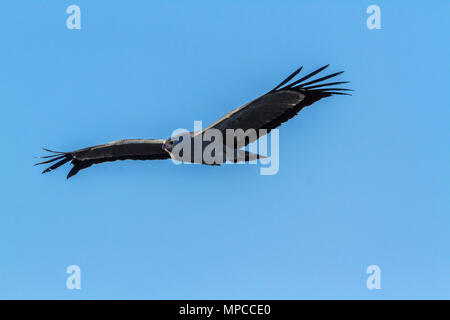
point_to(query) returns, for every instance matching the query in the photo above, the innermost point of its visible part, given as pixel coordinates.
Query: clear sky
(363, 180)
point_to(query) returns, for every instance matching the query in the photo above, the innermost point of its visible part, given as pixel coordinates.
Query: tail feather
(245, 156)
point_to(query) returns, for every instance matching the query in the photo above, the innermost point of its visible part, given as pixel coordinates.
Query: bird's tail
(246, 156)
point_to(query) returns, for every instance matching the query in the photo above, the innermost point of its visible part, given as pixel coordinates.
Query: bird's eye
(171, 142)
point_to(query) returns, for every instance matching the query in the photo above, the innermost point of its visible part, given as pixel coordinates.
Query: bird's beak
(166, 147)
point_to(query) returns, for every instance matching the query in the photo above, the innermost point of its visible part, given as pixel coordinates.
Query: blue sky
(363, 180)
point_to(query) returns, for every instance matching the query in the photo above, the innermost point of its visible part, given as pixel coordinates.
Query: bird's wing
(134, 149)
(277, 106)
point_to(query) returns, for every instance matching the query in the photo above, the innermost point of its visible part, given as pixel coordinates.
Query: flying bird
(262, 114)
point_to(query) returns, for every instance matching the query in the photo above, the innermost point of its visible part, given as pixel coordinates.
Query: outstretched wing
(277, 106)
(134, 149)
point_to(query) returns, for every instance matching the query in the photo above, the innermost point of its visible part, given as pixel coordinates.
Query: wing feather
(134, 149)
(277, 106)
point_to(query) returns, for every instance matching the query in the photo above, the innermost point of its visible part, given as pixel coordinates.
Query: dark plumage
(266, 112)
(133, 149)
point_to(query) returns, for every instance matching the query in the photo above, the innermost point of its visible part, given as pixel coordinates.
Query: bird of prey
(262, 114)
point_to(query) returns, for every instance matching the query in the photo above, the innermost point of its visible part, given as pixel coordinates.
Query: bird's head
(172, 142)
(168, 145)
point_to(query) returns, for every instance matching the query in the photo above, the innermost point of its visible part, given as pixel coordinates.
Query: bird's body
(248, 123)
(193, 147)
